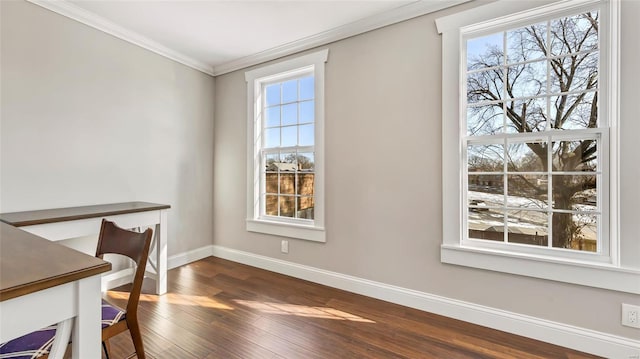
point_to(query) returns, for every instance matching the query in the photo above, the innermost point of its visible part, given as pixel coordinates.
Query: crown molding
(399, 14)
(90, 19)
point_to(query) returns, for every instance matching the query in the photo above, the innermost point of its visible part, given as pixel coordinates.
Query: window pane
(306, 112)
(575, 192)
(527, 156)
(307, 88)
(271, 181)
(527, 43)
(288, 162)
(528, 227)
(305, 207)
(271, 205)
(290, 91)
(574, 73)
(526, 80)
(577, 231)
(485, 158)
(485, 51)
(306, 135)
(486, 224)
(287, 206)
(574, 33)
(290, 114)
(526, 115)
(272, 137)
(306, 161)
(572, 156)
(485, 85)
(287, 183)
(273, 94)
(572, 112)
(271, 161)
(485, 120)
(527, 191)
(289, 136)
(487, 188)
(305, 184)
(272, 116)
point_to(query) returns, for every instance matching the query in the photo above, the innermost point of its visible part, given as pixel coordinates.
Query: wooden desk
(63, 223)
(42, 283)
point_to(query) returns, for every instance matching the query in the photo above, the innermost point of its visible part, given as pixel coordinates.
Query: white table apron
(157, 264)
(79, 300)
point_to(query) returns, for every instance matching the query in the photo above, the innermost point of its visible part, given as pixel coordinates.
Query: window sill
(291, 230)
(587, 274)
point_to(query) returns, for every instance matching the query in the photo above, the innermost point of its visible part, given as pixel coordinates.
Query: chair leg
(134, 329)
(105, 346)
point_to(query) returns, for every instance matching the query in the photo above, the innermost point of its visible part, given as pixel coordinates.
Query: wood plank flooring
(220, 309)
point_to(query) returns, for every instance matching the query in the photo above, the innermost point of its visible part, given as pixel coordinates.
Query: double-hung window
(285, 147)
(529, 112)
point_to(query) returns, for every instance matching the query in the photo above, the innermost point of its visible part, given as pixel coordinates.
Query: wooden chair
(135, 245)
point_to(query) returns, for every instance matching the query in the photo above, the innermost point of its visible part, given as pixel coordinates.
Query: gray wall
(383, 124)
(88, 118)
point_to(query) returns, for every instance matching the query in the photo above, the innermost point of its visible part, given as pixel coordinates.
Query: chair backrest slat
(135, 245)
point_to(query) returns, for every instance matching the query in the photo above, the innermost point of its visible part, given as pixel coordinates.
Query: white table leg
(87, 330)
(161, 253)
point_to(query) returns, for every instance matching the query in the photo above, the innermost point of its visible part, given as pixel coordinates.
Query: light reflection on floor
(264, 307)
(302, 311)
(175, 298)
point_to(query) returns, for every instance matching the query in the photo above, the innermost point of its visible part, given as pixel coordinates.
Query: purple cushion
(111, 314)
(30, 346)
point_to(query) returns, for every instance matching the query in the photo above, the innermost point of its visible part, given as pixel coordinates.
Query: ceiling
(220, 36)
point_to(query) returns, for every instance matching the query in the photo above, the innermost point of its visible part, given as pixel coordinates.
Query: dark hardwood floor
(220, 309)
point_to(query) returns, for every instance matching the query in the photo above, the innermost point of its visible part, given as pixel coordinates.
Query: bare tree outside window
(541, 78)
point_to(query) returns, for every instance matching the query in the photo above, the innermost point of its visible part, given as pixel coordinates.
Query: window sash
(600, 134)
(297, 74)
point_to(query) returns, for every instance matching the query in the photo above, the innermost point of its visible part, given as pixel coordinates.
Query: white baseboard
(193, 255)
(586, 340)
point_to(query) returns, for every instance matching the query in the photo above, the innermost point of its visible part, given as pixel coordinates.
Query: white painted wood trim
(193, 255)
(489, 15)
(589, 274)
(88, 18)
(308, 63)
(590, 341)
(399, 14)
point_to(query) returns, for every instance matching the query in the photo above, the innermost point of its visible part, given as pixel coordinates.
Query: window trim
(611, 275)
(313, 230)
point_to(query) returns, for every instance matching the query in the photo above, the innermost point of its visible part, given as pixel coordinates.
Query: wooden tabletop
(30, 218)
(29, 263)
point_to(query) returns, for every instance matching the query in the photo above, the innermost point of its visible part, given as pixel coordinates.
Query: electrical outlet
(631, 315)
(284, 246)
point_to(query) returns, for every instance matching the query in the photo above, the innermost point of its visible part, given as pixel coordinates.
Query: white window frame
(603, 270)
(312, 230)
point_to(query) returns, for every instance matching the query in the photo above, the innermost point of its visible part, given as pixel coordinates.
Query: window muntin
(532, 132)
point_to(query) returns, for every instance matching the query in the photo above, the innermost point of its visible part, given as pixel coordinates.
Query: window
(285, 146)
(534, 137)
(529, 174)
